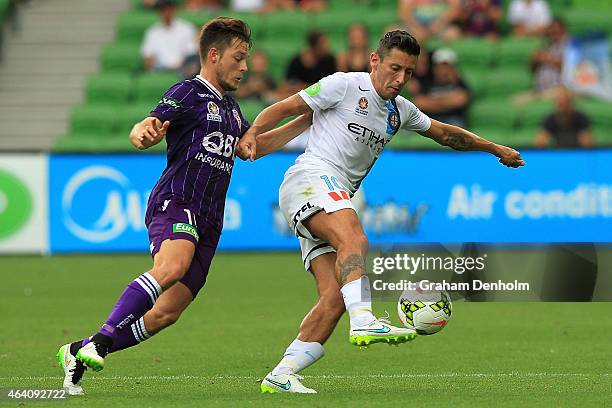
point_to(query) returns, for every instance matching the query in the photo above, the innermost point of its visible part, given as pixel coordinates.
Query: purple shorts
(174, 220)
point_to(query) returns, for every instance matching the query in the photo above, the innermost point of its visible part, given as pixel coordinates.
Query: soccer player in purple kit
(202, 126)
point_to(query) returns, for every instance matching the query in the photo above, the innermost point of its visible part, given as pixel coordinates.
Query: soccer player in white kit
(349, 118)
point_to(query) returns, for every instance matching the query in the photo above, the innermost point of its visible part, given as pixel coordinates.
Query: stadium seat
(599, 112)
(93, 121)
(337, 21)
(411, 140)
(290, 25)
(379, 19)
(532, 115)
(121, 57)
(4, 9)
(149, 87)
(474, 52)
(130, 114)
(516, 51)
(250, 109)
(279, 53)
(492, 112)
(520, 138)
(505, 81)
(196, 18)
(587, 20)
(111, 88)
(493, 133)
(473, 79)
(132, 26)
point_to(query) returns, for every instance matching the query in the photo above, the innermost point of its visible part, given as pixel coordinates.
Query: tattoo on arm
(352, 263)
(459, 140)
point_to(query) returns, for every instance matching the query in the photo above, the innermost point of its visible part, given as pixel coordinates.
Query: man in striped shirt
(184, 218)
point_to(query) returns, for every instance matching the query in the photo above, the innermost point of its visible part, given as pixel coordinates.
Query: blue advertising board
(97, 202)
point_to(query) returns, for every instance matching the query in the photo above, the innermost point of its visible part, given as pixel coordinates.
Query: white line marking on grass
(323, 376)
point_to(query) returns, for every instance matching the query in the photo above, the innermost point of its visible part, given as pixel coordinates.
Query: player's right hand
(510, 157)
(247, 146)
(149, 132)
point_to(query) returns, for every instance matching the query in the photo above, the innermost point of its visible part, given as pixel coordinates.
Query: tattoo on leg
(349, 265)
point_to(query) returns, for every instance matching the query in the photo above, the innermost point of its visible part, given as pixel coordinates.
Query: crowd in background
(437, 88)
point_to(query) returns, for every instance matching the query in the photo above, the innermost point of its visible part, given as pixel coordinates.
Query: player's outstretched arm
(275, 139)
(267, 120)
(148, 132)
(461, 139)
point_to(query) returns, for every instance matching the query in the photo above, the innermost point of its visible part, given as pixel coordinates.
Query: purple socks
(139, 296)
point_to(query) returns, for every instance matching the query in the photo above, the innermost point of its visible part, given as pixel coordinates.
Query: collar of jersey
(210, 86)
(380, 101)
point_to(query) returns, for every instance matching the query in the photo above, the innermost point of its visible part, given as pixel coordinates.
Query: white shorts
(305, 191)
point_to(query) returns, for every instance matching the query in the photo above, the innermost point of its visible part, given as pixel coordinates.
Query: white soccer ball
(426, 311)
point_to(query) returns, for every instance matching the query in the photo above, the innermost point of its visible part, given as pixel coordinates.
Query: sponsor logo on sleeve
(313, 89)
(185, 228)
(171, 102)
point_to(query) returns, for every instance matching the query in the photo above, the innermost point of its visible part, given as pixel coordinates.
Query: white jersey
(352, 124)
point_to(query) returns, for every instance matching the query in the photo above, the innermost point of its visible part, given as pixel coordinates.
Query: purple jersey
(204, 130)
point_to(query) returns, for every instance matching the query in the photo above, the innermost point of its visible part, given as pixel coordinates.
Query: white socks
(358, 301)
(299, 355)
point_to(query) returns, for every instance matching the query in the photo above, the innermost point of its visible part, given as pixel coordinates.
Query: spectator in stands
(169, 43)
(309, 66)
(311, 5)
(422, 75)
(258, 84)
(565, 127)
(248, 6)
(529, 17)
(480, 18)
(357, 57)
(446, 98)
(547, 65)
(425, 18)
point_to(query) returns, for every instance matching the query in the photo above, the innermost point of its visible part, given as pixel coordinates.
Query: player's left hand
(510, 157)
(247, 146)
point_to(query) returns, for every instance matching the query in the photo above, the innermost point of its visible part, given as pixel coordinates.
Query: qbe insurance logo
(99, 204)
(15, 204)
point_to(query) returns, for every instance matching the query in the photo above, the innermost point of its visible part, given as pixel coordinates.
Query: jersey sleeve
(327, 93)
(412, 118)
(177, 101)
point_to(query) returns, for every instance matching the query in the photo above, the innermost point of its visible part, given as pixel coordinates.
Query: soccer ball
(426, 311)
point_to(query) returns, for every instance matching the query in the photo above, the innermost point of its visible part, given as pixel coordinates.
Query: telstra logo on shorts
(122, 207)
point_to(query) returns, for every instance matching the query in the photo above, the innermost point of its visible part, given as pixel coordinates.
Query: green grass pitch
(490, 354)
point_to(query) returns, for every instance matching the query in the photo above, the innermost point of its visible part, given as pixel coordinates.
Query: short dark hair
(220, 32)
(400, 39)
(314, 37)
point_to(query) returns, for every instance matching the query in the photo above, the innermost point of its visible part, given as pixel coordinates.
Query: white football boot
(73, 370)
(380, 331)
(284, 383)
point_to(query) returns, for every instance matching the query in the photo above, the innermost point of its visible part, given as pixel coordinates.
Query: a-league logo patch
(362, 106)
(213, 112)
(363, 103)
(237, 117)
